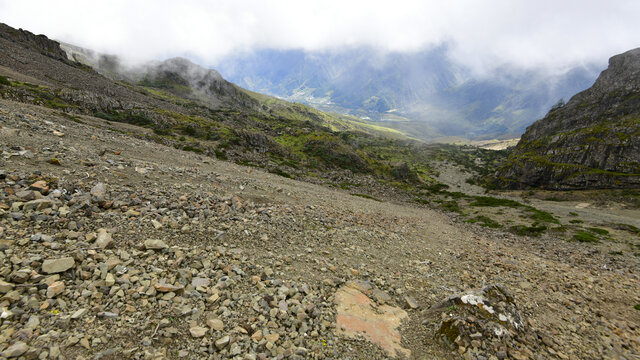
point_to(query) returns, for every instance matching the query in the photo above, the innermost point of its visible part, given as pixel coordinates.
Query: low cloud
(482, 35)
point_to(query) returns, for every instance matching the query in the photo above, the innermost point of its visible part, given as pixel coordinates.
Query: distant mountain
(591, 142)
(423, 93)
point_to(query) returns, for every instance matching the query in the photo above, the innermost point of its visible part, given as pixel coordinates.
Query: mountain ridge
(592, 141)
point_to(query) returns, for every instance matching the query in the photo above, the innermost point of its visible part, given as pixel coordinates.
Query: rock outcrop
(591, 142)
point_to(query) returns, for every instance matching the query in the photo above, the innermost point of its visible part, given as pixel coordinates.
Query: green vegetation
(4, 81)
(366, 197)
(485, 221)
(576, 221)
(584, 236)
(524, 230)
(599, 231)
(493, 202)
(637, 307)
(280, 172)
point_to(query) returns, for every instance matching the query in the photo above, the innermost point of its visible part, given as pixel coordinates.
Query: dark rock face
(591, 142)
(40, 43)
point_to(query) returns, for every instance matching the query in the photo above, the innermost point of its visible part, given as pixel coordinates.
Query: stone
(168, 288)
(104, 240)
(215, 324)
(411, 302)
(79, 313)
(272, 338)
(5, 287)
(109, 280)
(155, 244)
(200, 282)
(222, 342)
(38, 205)
(15, 350)
(40, 186)
(198, 331)
(257, 336)
(156, 224)
(55, 289)
(54, 266)
(99, 192)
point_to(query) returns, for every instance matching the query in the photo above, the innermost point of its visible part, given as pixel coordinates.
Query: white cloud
(483, 35)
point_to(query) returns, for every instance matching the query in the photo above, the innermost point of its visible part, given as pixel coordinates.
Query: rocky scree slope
(591, 142)
(113, 247)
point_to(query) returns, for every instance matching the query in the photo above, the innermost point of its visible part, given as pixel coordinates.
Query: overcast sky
(549, 34)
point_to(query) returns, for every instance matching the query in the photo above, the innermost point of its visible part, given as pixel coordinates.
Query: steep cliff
(591, 142)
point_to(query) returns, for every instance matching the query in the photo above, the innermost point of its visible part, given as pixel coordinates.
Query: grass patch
(422, 201)
(281, 173)
(576, 221)
(451, 206)
(637, 307)
(4, 81)
(489, 201)
(524, 230)
(615, 253)
(584, 236)
(542, 216)
(599, 231)
(220, 155)
(485, 221)
(366, 197)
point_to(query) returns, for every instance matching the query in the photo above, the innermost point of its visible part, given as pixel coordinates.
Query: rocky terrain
(116, 247)
(125, 235)
(592, 142)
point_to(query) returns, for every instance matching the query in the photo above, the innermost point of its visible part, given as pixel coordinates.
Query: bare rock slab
(359, 316)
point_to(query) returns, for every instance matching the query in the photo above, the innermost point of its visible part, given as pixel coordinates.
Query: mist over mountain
(425, 93)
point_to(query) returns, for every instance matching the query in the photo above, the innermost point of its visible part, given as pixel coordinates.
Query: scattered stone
(54, 266)
(215, 324)
(222, 342)
(99, 192)
(104, 239)
(55, 289)
(168, 288)
(198, 331)
(15, 350)
(155, 244)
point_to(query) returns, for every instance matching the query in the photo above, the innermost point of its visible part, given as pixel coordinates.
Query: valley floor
(259, 242)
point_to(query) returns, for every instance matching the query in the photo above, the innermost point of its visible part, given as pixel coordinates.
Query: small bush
(576, 221)
(637, 307)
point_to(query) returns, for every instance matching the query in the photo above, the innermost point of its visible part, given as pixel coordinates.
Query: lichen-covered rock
(481, 321)
(591, 142)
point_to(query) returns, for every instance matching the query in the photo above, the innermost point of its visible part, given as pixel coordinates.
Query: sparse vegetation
(366, 197)
(485, 221)
(524, 230)
(584, 236)
(4, 81)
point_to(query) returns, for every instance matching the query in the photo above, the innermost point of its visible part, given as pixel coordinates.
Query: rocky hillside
(591, 142)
